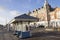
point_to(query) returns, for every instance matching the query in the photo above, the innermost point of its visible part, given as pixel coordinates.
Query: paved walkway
(4, 35)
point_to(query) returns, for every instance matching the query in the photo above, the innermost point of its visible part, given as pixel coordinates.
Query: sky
(12, 8)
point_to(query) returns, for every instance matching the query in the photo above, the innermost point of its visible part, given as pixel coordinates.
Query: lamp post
(48, 16)
(7, 24)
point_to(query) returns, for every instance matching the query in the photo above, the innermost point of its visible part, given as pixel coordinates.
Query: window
(58, 14)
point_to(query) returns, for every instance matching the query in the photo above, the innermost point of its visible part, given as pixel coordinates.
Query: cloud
(2, 9)
(2, 20)
(6, 14)
(9, 14)
(14, 13)
(2, 13)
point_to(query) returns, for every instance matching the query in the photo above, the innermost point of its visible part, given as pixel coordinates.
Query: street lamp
(48, 15)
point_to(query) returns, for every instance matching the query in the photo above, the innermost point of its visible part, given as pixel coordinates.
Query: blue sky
(11, 8)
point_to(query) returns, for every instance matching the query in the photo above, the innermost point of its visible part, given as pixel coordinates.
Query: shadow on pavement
(45, 34)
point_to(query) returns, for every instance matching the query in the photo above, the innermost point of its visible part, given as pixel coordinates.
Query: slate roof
(25, 16)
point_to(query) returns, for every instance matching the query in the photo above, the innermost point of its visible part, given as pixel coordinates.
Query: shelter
(20, 25)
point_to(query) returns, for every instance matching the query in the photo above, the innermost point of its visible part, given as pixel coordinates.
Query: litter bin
(25, 34)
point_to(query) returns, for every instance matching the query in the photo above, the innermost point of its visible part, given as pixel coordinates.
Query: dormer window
(33, 11)
(38, 8)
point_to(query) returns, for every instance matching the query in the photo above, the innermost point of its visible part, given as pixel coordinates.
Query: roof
(25, 16)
